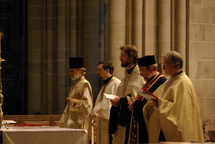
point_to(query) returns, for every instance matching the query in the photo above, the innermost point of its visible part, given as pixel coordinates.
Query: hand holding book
(110, 96)
(146, 94)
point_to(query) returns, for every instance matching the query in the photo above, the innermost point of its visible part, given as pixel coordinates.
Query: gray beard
(75, 77)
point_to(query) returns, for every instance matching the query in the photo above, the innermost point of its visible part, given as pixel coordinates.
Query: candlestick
(0, 43)
(1, 96)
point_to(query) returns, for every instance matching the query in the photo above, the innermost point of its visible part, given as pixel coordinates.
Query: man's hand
(115, 102)
(130, 105)
(68, 99)
(155, 102)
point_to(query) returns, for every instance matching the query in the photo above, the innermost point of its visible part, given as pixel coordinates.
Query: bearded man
(121, 117)
(177, 104)
(79, 102)
(154, 79)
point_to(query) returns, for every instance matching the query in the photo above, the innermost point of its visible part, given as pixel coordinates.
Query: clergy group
(144, 107)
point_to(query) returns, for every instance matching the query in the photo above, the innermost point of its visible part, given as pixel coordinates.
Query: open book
(146, 94)
(110, 96)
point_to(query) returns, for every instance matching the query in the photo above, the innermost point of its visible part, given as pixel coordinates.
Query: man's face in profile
(101, 72)
(145, 73)
(124, 58)
(168, 67)
(75, 74)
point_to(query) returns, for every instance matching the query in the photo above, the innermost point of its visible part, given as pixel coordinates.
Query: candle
(0, 44)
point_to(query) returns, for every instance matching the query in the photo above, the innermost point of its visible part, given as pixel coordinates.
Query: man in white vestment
(121, 117)
(79, 101)
(101, 112)
(178, 108)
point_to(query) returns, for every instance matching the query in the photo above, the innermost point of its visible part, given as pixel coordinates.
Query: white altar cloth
(44, 135)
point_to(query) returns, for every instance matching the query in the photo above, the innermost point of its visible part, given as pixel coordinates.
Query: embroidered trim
(104, 87)
(129, 137)
(74, 104)
(84, 108)
(151, 83)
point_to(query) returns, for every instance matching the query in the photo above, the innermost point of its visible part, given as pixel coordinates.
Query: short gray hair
(84, 70)
(174, 57)
(154, 66)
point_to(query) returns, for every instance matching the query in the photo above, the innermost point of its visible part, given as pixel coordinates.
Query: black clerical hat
(146, 60)
(76, 62)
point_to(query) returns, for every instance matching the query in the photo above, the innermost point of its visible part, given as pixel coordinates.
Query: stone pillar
(117, 33)
(129, 22)
(137, 26)
(80, 28)
(180, 41)
(91, 43)
(61, 55)
(49, 77)
(150, 34)
(71, 40)
(164, 27)
(72, 28)
(101, 31)
(173, 24)
(106, 33)
(35, 15)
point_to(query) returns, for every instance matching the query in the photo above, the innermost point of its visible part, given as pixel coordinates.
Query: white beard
(75, 77)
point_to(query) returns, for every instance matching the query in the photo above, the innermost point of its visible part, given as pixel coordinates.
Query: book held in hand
(146, 94)
(110, 96)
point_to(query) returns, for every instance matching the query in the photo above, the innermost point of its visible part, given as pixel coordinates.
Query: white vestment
(101, 111)
(128, 88)
(151, 117)
(179, 114)
(76, 114)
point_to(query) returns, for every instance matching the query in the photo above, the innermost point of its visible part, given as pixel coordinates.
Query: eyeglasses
(122, 55)
(100, 70)
(167, 64)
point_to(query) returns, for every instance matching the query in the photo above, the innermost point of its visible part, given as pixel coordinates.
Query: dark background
(13, 27)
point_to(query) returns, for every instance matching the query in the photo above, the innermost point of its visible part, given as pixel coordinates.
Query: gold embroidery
(74, 104)
(104, 87)
(77, 96)
(100, 111)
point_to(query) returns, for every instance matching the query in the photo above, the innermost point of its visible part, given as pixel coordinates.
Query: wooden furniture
(44, 120)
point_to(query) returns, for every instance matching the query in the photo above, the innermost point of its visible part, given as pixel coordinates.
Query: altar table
(44, 135)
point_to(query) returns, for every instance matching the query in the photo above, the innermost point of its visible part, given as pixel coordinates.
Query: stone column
(117, 33)
(101, 31)
(150, 34)
(173, 24)
(80, 28)
(49, 77)
(106, 33)
(129, 22)
(91, 42)
(180, 36)
(61, 55)
(137, 26)
(72, 28)
(35, 15)
(71, 40)
(164, 27)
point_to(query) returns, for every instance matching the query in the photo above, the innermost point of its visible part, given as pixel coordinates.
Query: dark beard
(125, 65)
